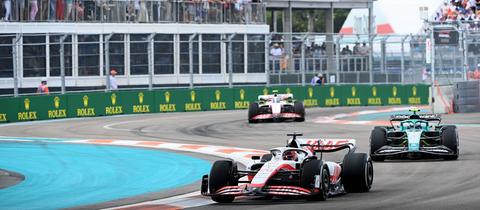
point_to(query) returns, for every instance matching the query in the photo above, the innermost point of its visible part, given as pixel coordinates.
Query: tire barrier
(467, 96)
(42, 107)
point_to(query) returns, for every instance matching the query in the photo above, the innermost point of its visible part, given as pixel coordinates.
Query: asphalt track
(397, 184)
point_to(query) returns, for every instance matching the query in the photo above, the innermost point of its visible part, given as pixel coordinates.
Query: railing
(172, 60)
(136, 11)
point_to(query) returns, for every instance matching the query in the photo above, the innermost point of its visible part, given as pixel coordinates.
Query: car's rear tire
(310, 169)
(357, 172)
(300, 110)
(378, 139)
(449, 138)
(221, 175)
(252, 112)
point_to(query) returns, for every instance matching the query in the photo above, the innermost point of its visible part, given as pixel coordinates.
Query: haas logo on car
(324, 144)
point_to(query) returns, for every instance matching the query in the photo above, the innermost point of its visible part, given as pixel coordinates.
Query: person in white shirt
(113, 80)
(276, 52)
(7, 4)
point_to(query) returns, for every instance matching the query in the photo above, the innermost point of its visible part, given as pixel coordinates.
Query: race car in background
(414, 137)
(297, 170)
(276, 107)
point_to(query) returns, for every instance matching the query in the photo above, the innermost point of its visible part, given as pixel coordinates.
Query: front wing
(286, 115)
(399, 152)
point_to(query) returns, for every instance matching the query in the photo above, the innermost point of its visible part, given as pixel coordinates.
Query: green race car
(414, 136)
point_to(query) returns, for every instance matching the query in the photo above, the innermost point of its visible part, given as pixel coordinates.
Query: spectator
(33, 9)
(53, 5)
(69, 15)
(346, 51)
(43, 88)
(113, 80)
(364, 50)
(7, 4)
(20, 9)
(317, 80)
(356, 48)
(276, 52)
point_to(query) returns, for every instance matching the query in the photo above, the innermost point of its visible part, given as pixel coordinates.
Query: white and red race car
(276, 107)
(292, 171)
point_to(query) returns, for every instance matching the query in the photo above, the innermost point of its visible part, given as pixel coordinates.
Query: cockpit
(290, 154)
(414, 125)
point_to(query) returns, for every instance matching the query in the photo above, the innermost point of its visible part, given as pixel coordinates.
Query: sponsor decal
(242, 104)
(57, 113)
(394, 100)
(27, 114)
(218, 105)
(332, 101)
(414, 99)
(113, 110)
(167, 107)
(354, 100)
(193, 106)
(140, 107)
(85, 111)
(310, 101)
(3, 117)
(374, 100)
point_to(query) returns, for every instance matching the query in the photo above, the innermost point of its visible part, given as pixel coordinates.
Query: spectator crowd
(453, 10)
(195, 11)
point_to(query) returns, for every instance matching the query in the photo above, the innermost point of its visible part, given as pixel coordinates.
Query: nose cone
(414, 140)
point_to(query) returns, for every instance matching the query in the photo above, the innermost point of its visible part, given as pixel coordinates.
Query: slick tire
(357, 172)
(449, 138)
(378, 139)
(221, 175)
(252, 112)
(310, 169)
(300, 110)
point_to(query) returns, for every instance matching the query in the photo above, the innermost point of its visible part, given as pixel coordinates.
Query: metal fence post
(150, 60)
(465, 53)
(190, 58)
(402, 61)
(432, 70)
(337, 58)
(230, 60)
(370, 57)
(15, 63)
(62, 62)
(107, 60)
(268, 39)
(302, 59)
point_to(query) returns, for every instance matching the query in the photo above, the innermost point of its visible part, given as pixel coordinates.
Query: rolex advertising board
(40, 107)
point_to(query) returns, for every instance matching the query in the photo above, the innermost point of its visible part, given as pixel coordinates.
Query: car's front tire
(221, 175)
(378, 139)
(449, 138)
(310, 169)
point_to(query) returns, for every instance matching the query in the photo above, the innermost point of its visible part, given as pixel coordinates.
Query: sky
(402, 15)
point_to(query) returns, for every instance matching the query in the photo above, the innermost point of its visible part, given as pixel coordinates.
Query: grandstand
(98, 35)
(174, 43)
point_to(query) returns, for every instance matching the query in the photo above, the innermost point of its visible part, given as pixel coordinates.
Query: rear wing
(269, 97)
(323, 145)
(427, 117)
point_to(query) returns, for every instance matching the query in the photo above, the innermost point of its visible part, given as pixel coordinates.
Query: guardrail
(28, 108)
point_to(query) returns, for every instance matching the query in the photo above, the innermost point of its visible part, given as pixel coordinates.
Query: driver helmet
(290, 155)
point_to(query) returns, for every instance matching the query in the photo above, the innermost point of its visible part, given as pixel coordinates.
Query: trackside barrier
(42, 107)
